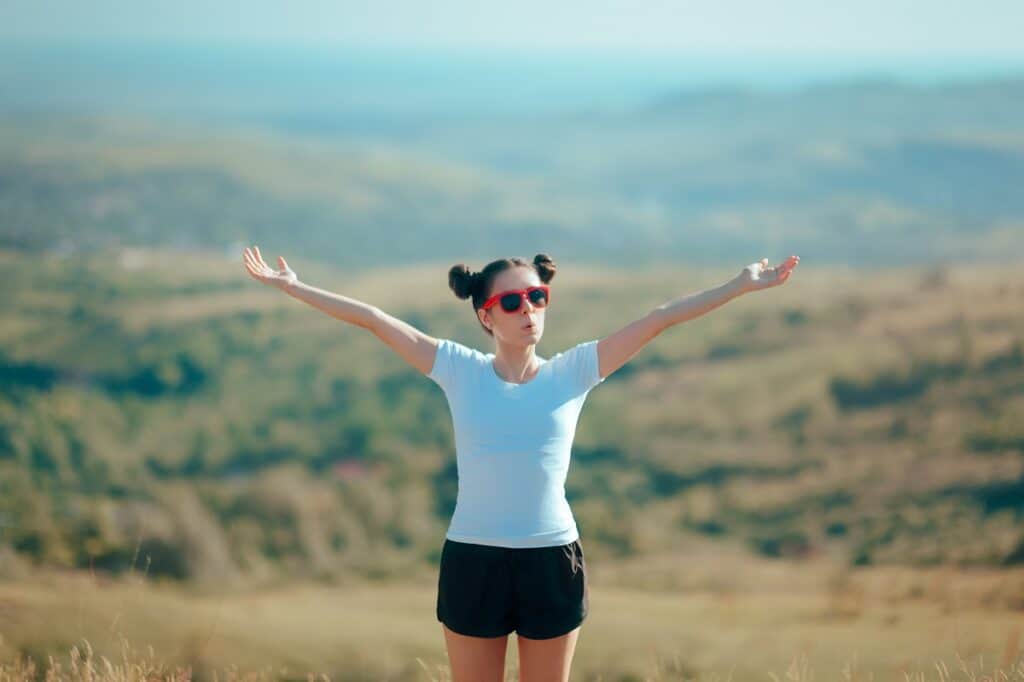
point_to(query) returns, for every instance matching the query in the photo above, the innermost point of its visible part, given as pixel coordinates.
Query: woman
(512, 558)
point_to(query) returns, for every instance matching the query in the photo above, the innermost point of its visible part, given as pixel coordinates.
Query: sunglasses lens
(510, 303)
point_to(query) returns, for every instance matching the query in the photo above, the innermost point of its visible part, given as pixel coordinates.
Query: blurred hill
(865, 173)
(159, 408)
(157, 405)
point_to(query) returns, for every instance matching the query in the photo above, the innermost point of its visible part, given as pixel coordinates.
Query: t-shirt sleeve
(581, 367)
(452, 362)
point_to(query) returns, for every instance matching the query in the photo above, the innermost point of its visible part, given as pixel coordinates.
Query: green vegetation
(215, 428)
(153, 396)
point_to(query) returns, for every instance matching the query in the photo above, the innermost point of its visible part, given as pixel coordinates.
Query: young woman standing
(512, 559)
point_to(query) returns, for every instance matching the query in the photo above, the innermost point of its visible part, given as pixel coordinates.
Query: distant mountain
(870, 171)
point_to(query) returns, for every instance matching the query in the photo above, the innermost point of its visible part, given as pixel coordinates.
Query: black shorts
(489, 591)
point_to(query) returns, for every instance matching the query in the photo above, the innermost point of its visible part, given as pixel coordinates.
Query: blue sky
(890, 27)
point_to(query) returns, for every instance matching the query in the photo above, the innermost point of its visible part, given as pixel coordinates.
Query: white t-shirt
(512, 444)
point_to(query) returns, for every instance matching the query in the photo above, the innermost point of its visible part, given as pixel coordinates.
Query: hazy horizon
(800, 26)
(240, 80)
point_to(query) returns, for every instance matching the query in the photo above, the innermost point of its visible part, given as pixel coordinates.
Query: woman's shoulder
(577, 366)
(460, 350)
(455, 361)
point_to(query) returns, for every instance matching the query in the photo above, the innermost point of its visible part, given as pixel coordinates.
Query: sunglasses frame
(523, 294)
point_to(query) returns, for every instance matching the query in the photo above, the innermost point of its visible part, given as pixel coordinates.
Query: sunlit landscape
(203, 478)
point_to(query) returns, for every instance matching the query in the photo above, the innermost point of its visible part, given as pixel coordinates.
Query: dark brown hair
(466, 283)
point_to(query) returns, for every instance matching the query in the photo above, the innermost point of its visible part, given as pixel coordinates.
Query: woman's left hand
(757, 276)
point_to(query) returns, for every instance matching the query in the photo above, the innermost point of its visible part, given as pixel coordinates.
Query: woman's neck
(516, 365)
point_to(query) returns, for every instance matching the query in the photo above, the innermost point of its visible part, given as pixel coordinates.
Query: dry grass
(132, 666)
(725, 618)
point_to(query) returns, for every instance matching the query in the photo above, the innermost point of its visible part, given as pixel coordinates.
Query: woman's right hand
(282, 279)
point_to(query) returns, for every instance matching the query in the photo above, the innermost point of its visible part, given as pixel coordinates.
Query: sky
(876, 27)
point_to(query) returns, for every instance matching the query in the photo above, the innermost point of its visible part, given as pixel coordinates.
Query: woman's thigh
(476, 659)
(547, 660)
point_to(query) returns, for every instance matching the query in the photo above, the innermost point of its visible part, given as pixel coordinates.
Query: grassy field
(726, 617)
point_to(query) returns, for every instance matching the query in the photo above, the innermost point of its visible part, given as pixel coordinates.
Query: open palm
(254, 264)
(757, 276)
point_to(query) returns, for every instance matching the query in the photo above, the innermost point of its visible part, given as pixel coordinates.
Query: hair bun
(462, 281)
(545, 267)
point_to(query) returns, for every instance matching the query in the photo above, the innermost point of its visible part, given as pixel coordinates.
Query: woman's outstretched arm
(415, 347)
(616, 349)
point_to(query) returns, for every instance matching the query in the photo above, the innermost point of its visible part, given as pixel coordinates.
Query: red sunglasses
(512, 299)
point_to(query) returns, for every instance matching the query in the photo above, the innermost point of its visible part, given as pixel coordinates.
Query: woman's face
(512, 328)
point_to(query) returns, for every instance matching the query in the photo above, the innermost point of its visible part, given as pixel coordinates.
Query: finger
(259, 256)
(251, 271)
(261, 271)
(282, 263)
(251, 256)
(253, 265)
